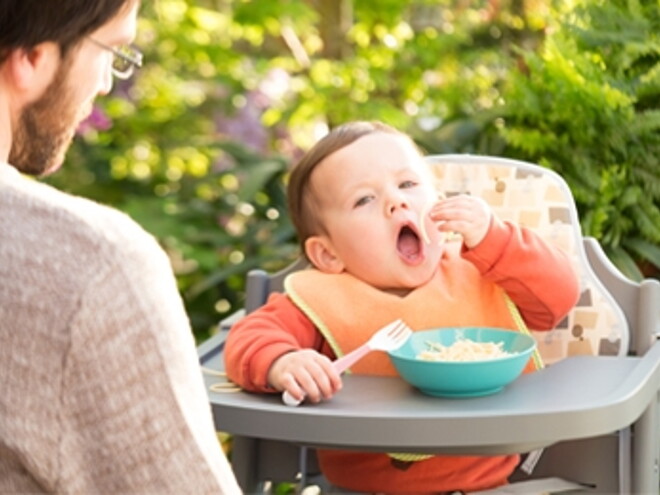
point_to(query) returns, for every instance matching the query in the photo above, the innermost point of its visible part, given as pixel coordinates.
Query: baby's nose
(397, 203)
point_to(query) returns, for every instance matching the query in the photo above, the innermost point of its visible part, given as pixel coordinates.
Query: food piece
(422, 224)
(463, 350)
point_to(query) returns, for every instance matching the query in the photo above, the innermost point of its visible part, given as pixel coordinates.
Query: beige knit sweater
(100, 388)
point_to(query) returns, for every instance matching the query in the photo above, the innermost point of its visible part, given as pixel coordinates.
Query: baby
(370, 222)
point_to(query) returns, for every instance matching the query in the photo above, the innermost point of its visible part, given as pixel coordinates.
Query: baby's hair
(301, 202)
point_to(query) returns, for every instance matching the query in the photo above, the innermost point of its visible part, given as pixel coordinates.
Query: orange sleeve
(538, 277)
(259, 338)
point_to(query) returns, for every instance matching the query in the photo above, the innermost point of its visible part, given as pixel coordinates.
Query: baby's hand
(467, 215)
(305, 374)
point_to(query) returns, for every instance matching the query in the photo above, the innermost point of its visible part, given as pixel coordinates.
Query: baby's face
(372, 195)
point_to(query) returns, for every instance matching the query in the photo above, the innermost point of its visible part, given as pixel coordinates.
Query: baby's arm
(278, 348)
(537, 276)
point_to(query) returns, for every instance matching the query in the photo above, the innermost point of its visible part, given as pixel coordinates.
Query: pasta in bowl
(463, 361)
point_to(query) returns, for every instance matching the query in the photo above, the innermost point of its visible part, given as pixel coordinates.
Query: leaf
(624, 262)
(258, 176)
(217, 276)
(644, 249)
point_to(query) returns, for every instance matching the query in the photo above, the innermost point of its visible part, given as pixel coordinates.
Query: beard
(45, 128)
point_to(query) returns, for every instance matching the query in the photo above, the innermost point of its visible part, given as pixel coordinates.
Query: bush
(588, 106)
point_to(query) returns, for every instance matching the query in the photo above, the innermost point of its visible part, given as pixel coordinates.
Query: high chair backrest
(539, 199)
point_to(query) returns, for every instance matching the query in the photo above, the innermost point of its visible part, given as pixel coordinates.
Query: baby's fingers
(467, 215)
(305, 374)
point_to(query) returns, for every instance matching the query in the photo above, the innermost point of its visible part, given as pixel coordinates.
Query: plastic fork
(388, 338)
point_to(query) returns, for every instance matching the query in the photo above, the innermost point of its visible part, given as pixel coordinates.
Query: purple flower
(96, 121)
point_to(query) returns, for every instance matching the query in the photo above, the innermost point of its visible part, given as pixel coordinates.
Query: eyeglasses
(124, 60)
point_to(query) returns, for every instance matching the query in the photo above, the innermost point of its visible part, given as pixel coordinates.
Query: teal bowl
(462, 378)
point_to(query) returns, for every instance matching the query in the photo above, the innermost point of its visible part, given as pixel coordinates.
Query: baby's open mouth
(409, 244)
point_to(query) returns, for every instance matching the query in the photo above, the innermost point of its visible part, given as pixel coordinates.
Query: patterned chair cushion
(538, 198)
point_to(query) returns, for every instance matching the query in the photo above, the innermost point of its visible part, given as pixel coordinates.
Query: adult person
(100, 388)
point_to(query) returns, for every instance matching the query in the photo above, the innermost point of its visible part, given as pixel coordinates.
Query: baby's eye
(362, 201)
(407, 184)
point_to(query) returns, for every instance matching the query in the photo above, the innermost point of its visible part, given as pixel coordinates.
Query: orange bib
(348, 311)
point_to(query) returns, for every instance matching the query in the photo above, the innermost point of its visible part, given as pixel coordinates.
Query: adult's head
(55, 58)
(358, 200)
(27, 23)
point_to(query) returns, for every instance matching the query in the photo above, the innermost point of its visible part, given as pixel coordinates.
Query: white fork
(390, 337)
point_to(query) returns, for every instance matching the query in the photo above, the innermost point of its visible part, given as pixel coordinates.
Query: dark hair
(302, 207)
(26, 23)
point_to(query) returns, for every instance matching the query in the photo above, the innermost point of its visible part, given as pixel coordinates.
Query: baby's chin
(407, 285)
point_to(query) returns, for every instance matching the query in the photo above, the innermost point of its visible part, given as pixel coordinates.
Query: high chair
(591, 416)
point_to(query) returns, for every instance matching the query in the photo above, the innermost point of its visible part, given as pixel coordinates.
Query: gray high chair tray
(578, 397)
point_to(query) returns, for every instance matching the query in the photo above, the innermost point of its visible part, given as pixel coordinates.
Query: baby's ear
(320, 252)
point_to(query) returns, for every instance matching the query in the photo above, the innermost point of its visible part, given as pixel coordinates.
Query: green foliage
(588, 106)
(199, 142)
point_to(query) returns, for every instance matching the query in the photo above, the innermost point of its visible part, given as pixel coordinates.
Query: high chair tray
(578, 397)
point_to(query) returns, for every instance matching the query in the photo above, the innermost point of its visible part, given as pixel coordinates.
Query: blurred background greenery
(197, 145)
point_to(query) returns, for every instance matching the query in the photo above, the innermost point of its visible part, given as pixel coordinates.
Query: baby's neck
(401, 292)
